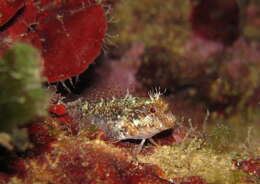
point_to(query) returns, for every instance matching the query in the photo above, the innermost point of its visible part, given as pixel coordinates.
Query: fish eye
(152, 110)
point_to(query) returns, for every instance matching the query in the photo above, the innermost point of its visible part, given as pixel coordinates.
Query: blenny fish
(129, 117)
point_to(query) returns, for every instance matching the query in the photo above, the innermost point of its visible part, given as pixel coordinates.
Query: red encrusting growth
(60, 112)
(69, 34)
(190, 180)
(40, 136)
(251, 167)
(4, 178)
(58, 109)
(72, 38)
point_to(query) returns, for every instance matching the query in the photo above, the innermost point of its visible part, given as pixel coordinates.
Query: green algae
(193, 158)
(238, 132)
(250, 19)
(252, 33)
(153, 22)
(22, 96)
(211, 153)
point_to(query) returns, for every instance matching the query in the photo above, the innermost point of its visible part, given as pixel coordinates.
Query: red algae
(78, 30)
(81, 161)
(190, 180)
(251, 167)
(8, 9)
(68, 33)
(4, 178)
(58, 109)
(41, 138)
(63, 121)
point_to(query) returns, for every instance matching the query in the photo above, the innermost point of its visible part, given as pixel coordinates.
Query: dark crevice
(6, 158)
(32, 28)
(163, 134)
(86, 79)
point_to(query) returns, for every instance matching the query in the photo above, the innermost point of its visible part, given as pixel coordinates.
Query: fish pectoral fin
(140, 146)
(153, 142)
(113, 141)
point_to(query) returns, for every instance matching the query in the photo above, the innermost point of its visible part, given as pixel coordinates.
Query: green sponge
(22, 96)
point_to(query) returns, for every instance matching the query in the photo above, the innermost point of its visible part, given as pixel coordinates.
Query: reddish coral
(72, 37)
(69, 34)
(22, 24)
(41, 137)
(251, 166)
(58, 109)
(4, 178)
(8, 9)
(64, 121)
(190, 180)
(80, 161)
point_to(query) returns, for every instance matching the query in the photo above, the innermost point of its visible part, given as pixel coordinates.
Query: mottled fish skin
(129, 117)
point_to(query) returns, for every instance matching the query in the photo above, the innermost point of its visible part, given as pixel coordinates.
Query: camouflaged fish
(130, 117)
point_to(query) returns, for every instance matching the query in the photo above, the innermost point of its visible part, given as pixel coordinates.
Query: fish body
(129, 117)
